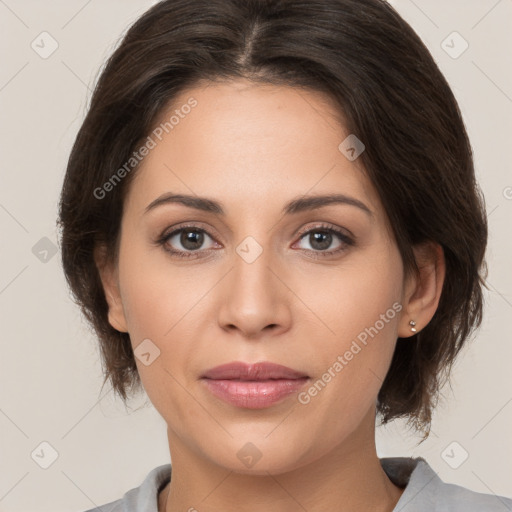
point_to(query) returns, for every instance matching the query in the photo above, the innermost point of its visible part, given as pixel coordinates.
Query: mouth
(255, 386)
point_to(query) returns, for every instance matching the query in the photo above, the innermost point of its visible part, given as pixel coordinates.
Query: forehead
(249, 144)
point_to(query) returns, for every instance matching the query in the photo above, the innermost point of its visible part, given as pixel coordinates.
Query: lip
(253, 386)
(257, 371)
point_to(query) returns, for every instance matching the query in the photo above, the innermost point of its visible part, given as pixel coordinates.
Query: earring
(412, 323)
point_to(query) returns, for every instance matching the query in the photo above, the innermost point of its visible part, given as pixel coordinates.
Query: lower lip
(254, 394)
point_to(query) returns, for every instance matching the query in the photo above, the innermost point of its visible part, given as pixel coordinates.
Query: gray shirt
(424, 491)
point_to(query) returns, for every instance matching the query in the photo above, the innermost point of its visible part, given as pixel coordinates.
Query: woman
(270, 217)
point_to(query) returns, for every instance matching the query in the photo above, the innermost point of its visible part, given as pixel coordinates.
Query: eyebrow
(295, 206)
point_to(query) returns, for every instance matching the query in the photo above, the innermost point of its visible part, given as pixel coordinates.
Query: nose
(254, 298)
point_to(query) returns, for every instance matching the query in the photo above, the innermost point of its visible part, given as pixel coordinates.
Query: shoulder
(465, 500)
(425, 491)
(143, 498)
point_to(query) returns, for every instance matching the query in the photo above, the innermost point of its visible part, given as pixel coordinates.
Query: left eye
(321, 239)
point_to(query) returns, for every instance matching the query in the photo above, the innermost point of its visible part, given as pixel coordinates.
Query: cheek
(359, 308)
(156, 302)
(153, 290)
(353, 297)
(163, 302)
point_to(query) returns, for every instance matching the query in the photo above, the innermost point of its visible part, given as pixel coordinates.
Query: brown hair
(391, 93)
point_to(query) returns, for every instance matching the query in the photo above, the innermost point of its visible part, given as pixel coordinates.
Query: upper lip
(257, 371)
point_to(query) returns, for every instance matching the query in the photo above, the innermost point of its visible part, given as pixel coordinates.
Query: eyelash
(323, 228)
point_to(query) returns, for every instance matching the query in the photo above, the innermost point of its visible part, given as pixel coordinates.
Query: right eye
(191, 238)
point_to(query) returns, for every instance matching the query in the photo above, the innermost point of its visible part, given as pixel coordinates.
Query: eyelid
(327, 226)
(198, 225)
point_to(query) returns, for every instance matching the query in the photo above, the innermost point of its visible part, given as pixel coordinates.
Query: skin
(254, 148)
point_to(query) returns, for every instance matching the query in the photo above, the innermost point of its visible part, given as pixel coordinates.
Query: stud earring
(412, 323)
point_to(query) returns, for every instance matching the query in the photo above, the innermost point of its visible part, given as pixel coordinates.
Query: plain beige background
(50, 372)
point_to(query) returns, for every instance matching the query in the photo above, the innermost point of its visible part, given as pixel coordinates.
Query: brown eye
(321, 238)
(186, 241)
(191, 240)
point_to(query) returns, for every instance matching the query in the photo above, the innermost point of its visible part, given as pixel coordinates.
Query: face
(318, 290)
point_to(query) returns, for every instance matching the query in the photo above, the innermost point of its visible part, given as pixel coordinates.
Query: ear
(422, 292)
(109, 277)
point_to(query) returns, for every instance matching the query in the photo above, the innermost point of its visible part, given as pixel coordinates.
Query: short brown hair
(392, 95)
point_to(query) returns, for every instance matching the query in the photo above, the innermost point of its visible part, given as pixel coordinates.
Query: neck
(348, 478)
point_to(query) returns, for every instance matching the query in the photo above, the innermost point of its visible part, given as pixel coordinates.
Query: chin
(255, 459)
